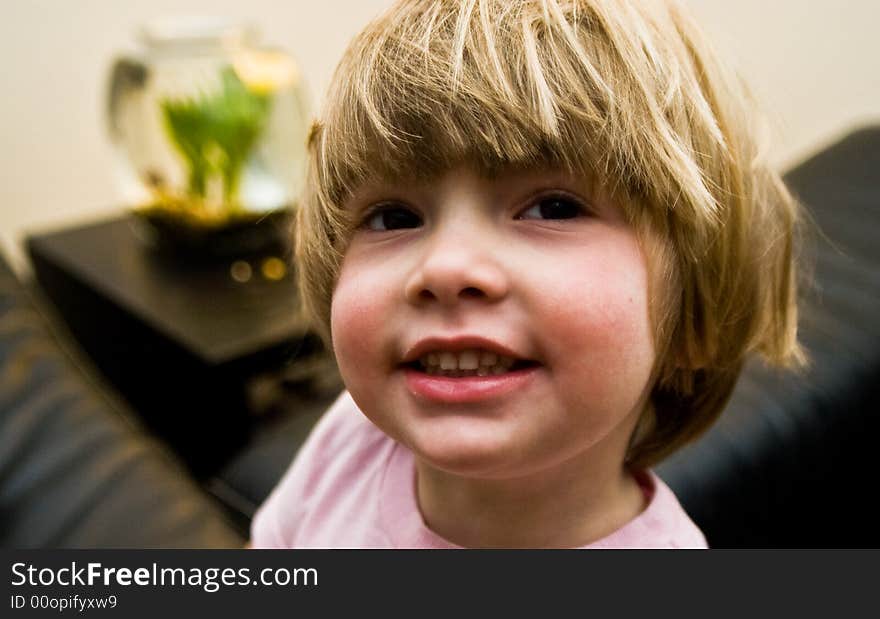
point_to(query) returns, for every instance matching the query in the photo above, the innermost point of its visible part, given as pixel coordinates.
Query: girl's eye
(553, 207)
(391, 218)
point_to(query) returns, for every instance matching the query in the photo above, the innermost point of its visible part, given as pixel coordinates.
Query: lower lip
(446, 390)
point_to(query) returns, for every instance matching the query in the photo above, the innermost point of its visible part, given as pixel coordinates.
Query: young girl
(540, 240)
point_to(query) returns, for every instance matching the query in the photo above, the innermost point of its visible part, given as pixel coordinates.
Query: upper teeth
(466, 360)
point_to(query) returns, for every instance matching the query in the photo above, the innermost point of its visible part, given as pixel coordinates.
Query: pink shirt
(351, 486)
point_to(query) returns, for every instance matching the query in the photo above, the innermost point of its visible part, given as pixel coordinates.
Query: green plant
(215, 133)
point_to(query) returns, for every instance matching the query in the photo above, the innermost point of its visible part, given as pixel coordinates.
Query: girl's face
(531, 268)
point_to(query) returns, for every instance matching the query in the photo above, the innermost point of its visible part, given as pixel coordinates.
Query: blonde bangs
(505, 84)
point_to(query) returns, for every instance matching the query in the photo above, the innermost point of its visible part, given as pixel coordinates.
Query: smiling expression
(496, 326)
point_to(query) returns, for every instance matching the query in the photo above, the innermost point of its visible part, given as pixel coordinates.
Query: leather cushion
(76, 469)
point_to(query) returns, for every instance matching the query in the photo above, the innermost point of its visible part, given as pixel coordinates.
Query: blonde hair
(626, 92)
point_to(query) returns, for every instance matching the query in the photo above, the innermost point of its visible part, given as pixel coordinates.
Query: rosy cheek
(602, 313)
(353, 320)
(360, 337)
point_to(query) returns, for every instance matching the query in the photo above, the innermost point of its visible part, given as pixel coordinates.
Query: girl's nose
(454, 268)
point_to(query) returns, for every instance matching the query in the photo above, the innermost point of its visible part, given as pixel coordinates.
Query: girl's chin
(473, 457)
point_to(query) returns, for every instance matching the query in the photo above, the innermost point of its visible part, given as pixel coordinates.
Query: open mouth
(468, 363)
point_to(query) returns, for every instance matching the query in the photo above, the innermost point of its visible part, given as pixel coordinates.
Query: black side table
(198, 353)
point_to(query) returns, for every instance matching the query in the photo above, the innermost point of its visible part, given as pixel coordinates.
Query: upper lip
(457, 344)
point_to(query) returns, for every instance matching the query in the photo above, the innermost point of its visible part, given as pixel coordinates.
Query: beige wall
(813, 63)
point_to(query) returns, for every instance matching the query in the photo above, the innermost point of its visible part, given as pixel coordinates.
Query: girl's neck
(569, 506)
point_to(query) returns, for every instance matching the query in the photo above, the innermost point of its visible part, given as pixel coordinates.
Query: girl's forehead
(510, 179)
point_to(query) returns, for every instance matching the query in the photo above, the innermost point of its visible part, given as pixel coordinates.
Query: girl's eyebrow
(548, 176)
(390, 189)
(517, 182)
(365, 198)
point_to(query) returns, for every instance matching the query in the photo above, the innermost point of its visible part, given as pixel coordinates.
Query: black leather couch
(76, 468)
(788, 465)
